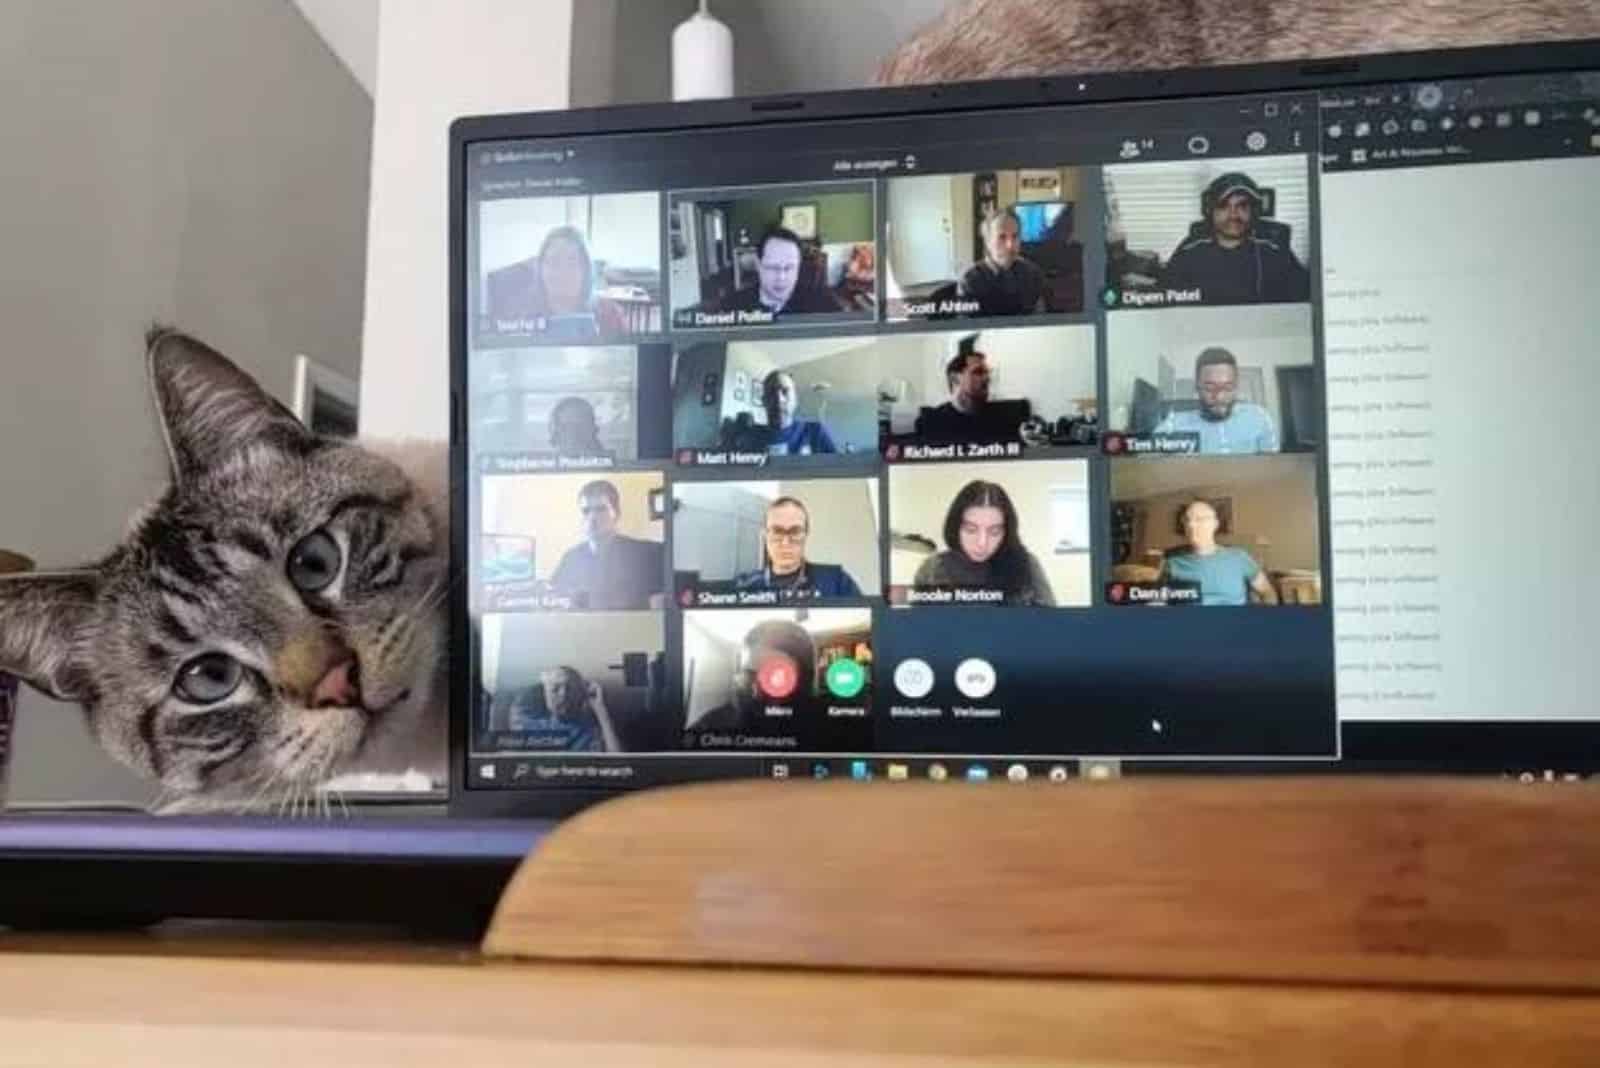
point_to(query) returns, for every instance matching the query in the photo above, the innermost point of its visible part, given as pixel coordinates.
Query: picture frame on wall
(324, 400)
(800, 219)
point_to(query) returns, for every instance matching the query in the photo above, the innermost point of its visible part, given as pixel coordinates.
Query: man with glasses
(608, 571)
(779, 288)
(787, 570)
(1224, 424)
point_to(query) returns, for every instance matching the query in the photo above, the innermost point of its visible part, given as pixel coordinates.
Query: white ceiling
(350, 30)
(781, 46)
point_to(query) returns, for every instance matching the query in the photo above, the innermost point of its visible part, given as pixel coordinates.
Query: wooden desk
(240, 996)
(1459, 919)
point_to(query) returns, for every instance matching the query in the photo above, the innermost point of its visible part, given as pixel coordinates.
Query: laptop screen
(1232, 431)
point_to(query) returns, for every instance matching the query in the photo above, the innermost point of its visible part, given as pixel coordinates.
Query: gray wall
(196, 162)
(621, 50)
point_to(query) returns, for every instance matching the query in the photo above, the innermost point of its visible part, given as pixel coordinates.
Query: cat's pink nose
(340, 687)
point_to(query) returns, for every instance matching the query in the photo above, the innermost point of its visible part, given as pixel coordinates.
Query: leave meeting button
(975, 678)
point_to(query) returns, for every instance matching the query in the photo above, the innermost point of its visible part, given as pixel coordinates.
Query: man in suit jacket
(779, 288)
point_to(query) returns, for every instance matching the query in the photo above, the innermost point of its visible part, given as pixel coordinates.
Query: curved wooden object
(1436, 882)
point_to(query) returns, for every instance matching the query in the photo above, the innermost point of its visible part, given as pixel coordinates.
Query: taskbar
(618, 773)
(532, 772)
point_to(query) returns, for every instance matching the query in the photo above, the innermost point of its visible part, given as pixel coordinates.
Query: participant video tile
(768, 543)
(755, 256)
(773, 401)
(1212, 381)
(1207, 231)
(572, 542)
(994, 393)
(578, 683)
(778, 678)
(1215, 532)
(996, 243)
(996, 533)
(569, 269)
(568, 408)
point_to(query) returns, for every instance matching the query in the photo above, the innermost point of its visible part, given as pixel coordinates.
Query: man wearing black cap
(1231, 256)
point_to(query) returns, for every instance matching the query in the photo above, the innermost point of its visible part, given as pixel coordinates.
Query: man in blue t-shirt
(1225, 575)
(1223, 423)
(791, 435)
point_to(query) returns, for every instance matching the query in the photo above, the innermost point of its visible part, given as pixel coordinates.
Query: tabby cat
(276, 618)
(1012, 38)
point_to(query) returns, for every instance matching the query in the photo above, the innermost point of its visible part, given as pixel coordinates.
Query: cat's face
(274, 616)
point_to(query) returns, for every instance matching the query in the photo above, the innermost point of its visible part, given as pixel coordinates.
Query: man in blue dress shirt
(1224, 424)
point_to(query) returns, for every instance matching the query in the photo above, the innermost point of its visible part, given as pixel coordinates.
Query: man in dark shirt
(777, 666)
(778, 288)
(1003, 282)
(968, 416)
(787, 570)
(608, 571)
(1231, 262)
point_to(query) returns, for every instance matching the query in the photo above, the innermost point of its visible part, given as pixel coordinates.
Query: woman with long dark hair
(985, 550)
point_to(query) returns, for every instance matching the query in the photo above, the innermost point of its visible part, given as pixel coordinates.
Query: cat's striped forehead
(204, 563)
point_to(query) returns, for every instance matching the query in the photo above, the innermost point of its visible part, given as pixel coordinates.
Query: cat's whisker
(432, 596)
(268, 782)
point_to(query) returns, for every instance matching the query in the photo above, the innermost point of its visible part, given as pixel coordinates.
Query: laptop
(1008, 433)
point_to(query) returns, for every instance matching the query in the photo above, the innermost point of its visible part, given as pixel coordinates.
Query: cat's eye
(208, 678)
(314, 562)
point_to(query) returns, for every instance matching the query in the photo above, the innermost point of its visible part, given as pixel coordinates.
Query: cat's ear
(43, 619)
(209, 408)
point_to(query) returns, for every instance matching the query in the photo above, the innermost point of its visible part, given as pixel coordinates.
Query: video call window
(953, 392)
(1014, 533)
(573, 541)
(994, 243)
(802, 674)
(777, 541)
(577, 683)
(769, 399)
(1214, 380)
(570, 406)
(756, 256)
(1216, 532)
(565, 269)
(1213, 231)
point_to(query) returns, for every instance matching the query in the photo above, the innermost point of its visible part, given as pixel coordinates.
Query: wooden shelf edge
(1448, 883)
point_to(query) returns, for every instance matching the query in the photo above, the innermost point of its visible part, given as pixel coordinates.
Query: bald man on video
(767, 644)
(1235, 255)
(1004, 282)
